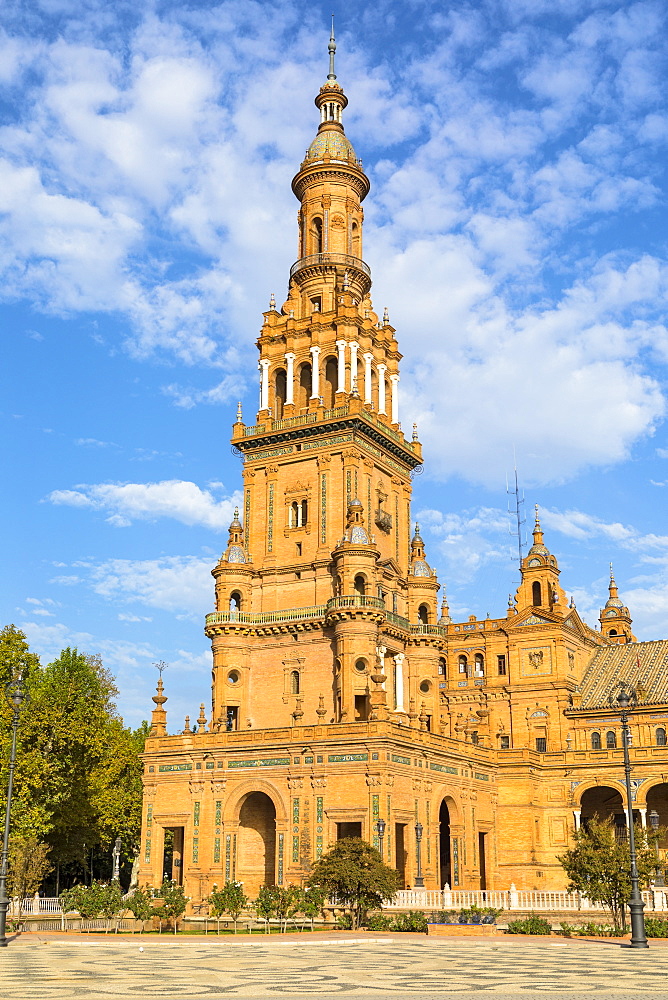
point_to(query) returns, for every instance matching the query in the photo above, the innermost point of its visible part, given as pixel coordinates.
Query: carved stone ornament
(196, 787)
(373, 779)
(295, 781)
(319, 781)
(149, 791)
(218, 787)
(389, 780)
(536, 657)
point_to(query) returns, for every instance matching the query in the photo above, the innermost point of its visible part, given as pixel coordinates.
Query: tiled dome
(331, 143)
(235, 554)
(420, 568)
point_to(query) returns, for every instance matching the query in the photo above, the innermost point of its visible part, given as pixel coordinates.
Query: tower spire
(332, 51)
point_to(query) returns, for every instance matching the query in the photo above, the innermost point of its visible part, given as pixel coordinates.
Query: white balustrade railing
(656, 900)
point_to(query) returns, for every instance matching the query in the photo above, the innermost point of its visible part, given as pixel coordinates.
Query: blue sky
(516, 231)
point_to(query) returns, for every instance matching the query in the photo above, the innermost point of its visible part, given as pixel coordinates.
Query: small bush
(587, 930)
(532, 924)
(379, 922)
(656, 927)
(414, 920)
(344, 922)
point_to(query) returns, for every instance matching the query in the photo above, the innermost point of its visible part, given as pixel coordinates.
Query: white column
(354, 347)
(381, 388)
(399, 681)
(264, 384)
(315, 373)
(368, 358)
(394, 379)
(643, 817)
(576, 818)
(290, 378)
(341, 385)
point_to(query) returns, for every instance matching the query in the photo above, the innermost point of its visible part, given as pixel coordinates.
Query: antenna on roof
(517, 510)
(332, 50)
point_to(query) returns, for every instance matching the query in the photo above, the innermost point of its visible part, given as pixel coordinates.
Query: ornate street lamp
(419, 881)
(16, 694)
(659, 881)
(116, 860)
(626, 698)
(380, 827)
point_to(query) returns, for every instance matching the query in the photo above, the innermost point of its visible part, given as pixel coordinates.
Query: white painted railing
(656, 900)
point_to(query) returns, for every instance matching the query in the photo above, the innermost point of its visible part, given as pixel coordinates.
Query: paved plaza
(44, 967)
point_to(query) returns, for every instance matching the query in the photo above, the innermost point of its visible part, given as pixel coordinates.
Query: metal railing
(355, 601)
(428, 630)
(328, 260)
(265, 617)
(395, 619)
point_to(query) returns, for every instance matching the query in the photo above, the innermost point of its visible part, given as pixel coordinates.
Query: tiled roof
(642, 664)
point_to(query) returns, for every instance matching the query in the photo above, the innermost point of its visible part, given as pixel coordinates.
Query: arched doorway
(657, 800)
(256, 852)
(603, 801)
(444, 842)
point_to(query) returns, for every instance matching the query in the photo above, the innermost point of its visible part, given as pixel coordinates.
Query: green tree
(353, 872)
(100, 899)
(230, 899)
(311, 902)
(598, 865)
(265, 905)
(28, 865)
(140, 904)
(78, 772)
(174, 901)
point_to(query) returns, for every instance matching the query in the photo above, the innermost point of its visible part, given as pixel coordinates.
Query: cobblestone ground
(42, 968)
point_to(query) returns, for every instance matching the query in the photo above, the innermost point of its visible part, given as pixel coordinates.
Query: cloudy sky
(516, 230)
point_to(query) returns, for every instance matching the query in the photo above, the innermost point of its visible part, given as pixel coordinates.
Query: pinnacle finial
(332, 51)
(386, 316)
(537, 517)
(612, 575)
(239, 413)
(272, 301)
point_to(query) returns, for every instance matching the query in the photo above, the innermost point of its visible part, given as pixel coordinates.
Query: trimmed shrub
(656, 927)
(532, 924)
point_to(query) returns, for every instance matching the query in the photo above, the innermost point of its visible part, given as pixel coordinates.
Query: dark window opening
(596, 741)
(537, 598)
(661, 737)
(361, 707)
(348, 830)
(231, 718)
(611, 740)
(541, 744)
(501, 664)
(504, 743)
(294, 682)
(423, 614)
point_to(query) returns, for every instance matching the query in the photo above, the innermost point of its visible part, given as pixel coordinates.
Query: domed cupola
(538, 548)
(234, 553)
(355, 532)
(615, 617)
(419, 566)
(540, 587)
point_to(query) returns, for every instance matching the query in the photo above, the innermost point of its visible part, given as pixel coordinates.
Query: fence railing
(656, 900)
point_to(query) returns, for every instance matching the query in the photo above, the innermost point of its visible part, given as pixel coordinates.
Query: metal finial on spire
(239, 413)
(332, 50)
(537, 517)
(612, 575)
(272, 301)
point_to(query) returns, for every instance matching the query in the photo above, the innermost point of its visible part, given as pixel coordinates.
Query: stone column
(341, 347)
(643, 817)
(354, 347)
(381, 388)
(394, 379)
(290, 379)
(576, 818)
(264, 384)
(368, 397)
(399, 681)
(315, 373)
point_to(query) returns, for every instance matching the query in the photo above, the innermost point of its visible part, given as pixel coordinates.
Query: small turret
(540, 587)
(234, 553)
(615, 618)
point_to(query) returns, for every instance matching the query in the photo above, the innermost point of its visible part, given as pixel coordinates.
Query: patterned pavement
(40, 967)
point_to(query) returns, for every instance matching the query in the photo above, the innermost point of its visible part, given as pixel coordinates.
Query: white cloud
(124, 503)
(178, 584)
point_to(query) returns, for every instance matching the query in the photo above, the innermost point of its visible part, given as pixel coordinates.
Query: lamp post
(419, 881)
(380, 827)
(116, 859)
(16, 694)
(626, 698)
(659, 880)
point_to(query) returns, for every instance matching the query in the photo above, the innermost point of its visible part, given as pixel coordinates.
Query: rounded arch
(316, 235)
(657, 800)
(232, 807)
(305, 386)
(360, 584)
(449, 816)
(423, 614)
(355, 240)
(235, 602)
(595, 740)
(603, 801)
(536, 594)
(295, 682)
(280, 392)
(330, 381)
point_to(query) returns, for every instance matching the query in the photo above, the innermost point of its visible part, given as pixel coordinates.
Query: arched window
(475, 739)
(536, 598)
(613, 631)
(463, 664)
(423, 614)
(661, 737)
(316, 236)
(294, 512)
(442, 667)
(479, 665)
(360, 585)
(305, 385)
(294, 682)
(235, 602)
(304, 512)
(596, 741)
(611, 740)
(356, 249)
(280, 392)
(331, 381)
